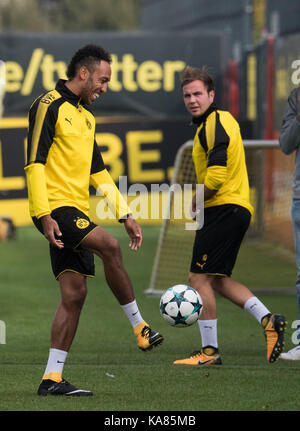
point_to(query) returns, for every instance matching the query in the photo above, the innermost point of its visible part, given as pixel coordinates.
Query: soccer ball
(180, 305)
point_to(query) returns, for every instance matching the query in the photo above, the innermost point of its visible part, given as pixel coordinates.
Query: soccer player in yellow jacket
(219, 159)
(63, 159)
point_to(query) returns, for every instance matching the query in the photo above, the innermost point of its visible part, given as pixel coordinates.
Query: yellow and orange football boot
(206, 356)
(146, 337)
(274, 326)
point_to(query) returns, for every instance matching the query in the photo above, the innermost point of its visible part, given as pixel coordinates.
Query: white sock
(133, 313)
(255, 307)
(208, 330)
(56, 361)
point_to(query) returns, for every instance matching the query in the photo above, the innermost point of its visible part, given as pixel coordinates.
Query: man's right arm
(289, 138)
(51, 230)
(41, 132)
(37, 190)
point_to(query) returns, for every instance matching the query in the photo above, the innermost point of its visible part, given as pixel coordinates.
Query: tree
(69, 15)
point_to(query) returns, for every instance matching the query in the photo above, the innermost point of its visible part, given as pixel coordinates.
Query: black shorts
(74, 226)
(217, 243)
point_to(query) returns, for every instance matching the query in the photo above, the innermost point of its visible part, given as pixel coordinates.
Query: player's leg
(235, 226)
(203, 284)
(73, 292)
(232, 290)
(296, 231)
(294, 354)
(209, 353)
(70, 268)
(84, 236)
(204, 264)
(108, 249)
(273, 324)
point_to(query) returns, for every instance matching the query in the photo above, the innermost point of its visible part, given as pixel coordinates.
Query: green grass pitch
(104, 356)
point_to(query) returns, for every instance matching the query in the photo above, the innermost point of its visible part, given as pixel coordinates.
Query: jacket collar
(66, 93)
(199, 120)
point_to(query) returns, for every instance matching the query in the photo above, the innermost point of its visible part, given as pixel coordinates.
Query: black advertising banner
(143, 150)
(136, 148)
(141, 120)
(145, 68)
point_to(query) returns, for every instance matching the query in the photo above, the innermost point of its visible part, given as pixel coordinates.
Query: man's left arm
(217, 161)
(102, 181)
(289, 138)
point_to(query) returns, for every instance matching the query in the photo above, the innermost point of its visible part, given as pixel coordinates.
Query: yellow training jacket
(219, 158)
(63, 158)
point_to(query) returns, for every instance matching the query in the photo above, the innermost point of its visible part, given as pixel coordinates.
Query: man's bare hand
(134, 232)
(50, 229)
(193, 208)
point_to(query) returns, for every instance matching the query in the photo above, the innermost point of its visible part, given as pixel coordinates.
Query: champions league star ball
(180, 305)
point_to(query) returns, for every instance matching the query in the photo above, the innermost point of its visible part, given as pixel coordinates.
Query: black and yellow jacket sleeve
(219, 159)
(102, 181)
(42, 120)
(63, 158)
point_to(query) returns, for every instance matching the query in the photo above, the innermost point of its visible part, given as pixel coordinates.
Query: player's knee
(112, 250)
(77, 298)
(198, 279)
(74, 296)
(191, 278)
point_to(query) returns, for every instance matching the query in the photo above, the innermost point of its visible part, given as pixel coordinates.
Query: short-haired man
(289, 142)
(63, 159)
(219, 160)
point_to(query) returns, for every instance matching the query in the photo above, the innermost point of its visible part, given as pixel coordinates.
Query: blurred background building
(261, 41)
